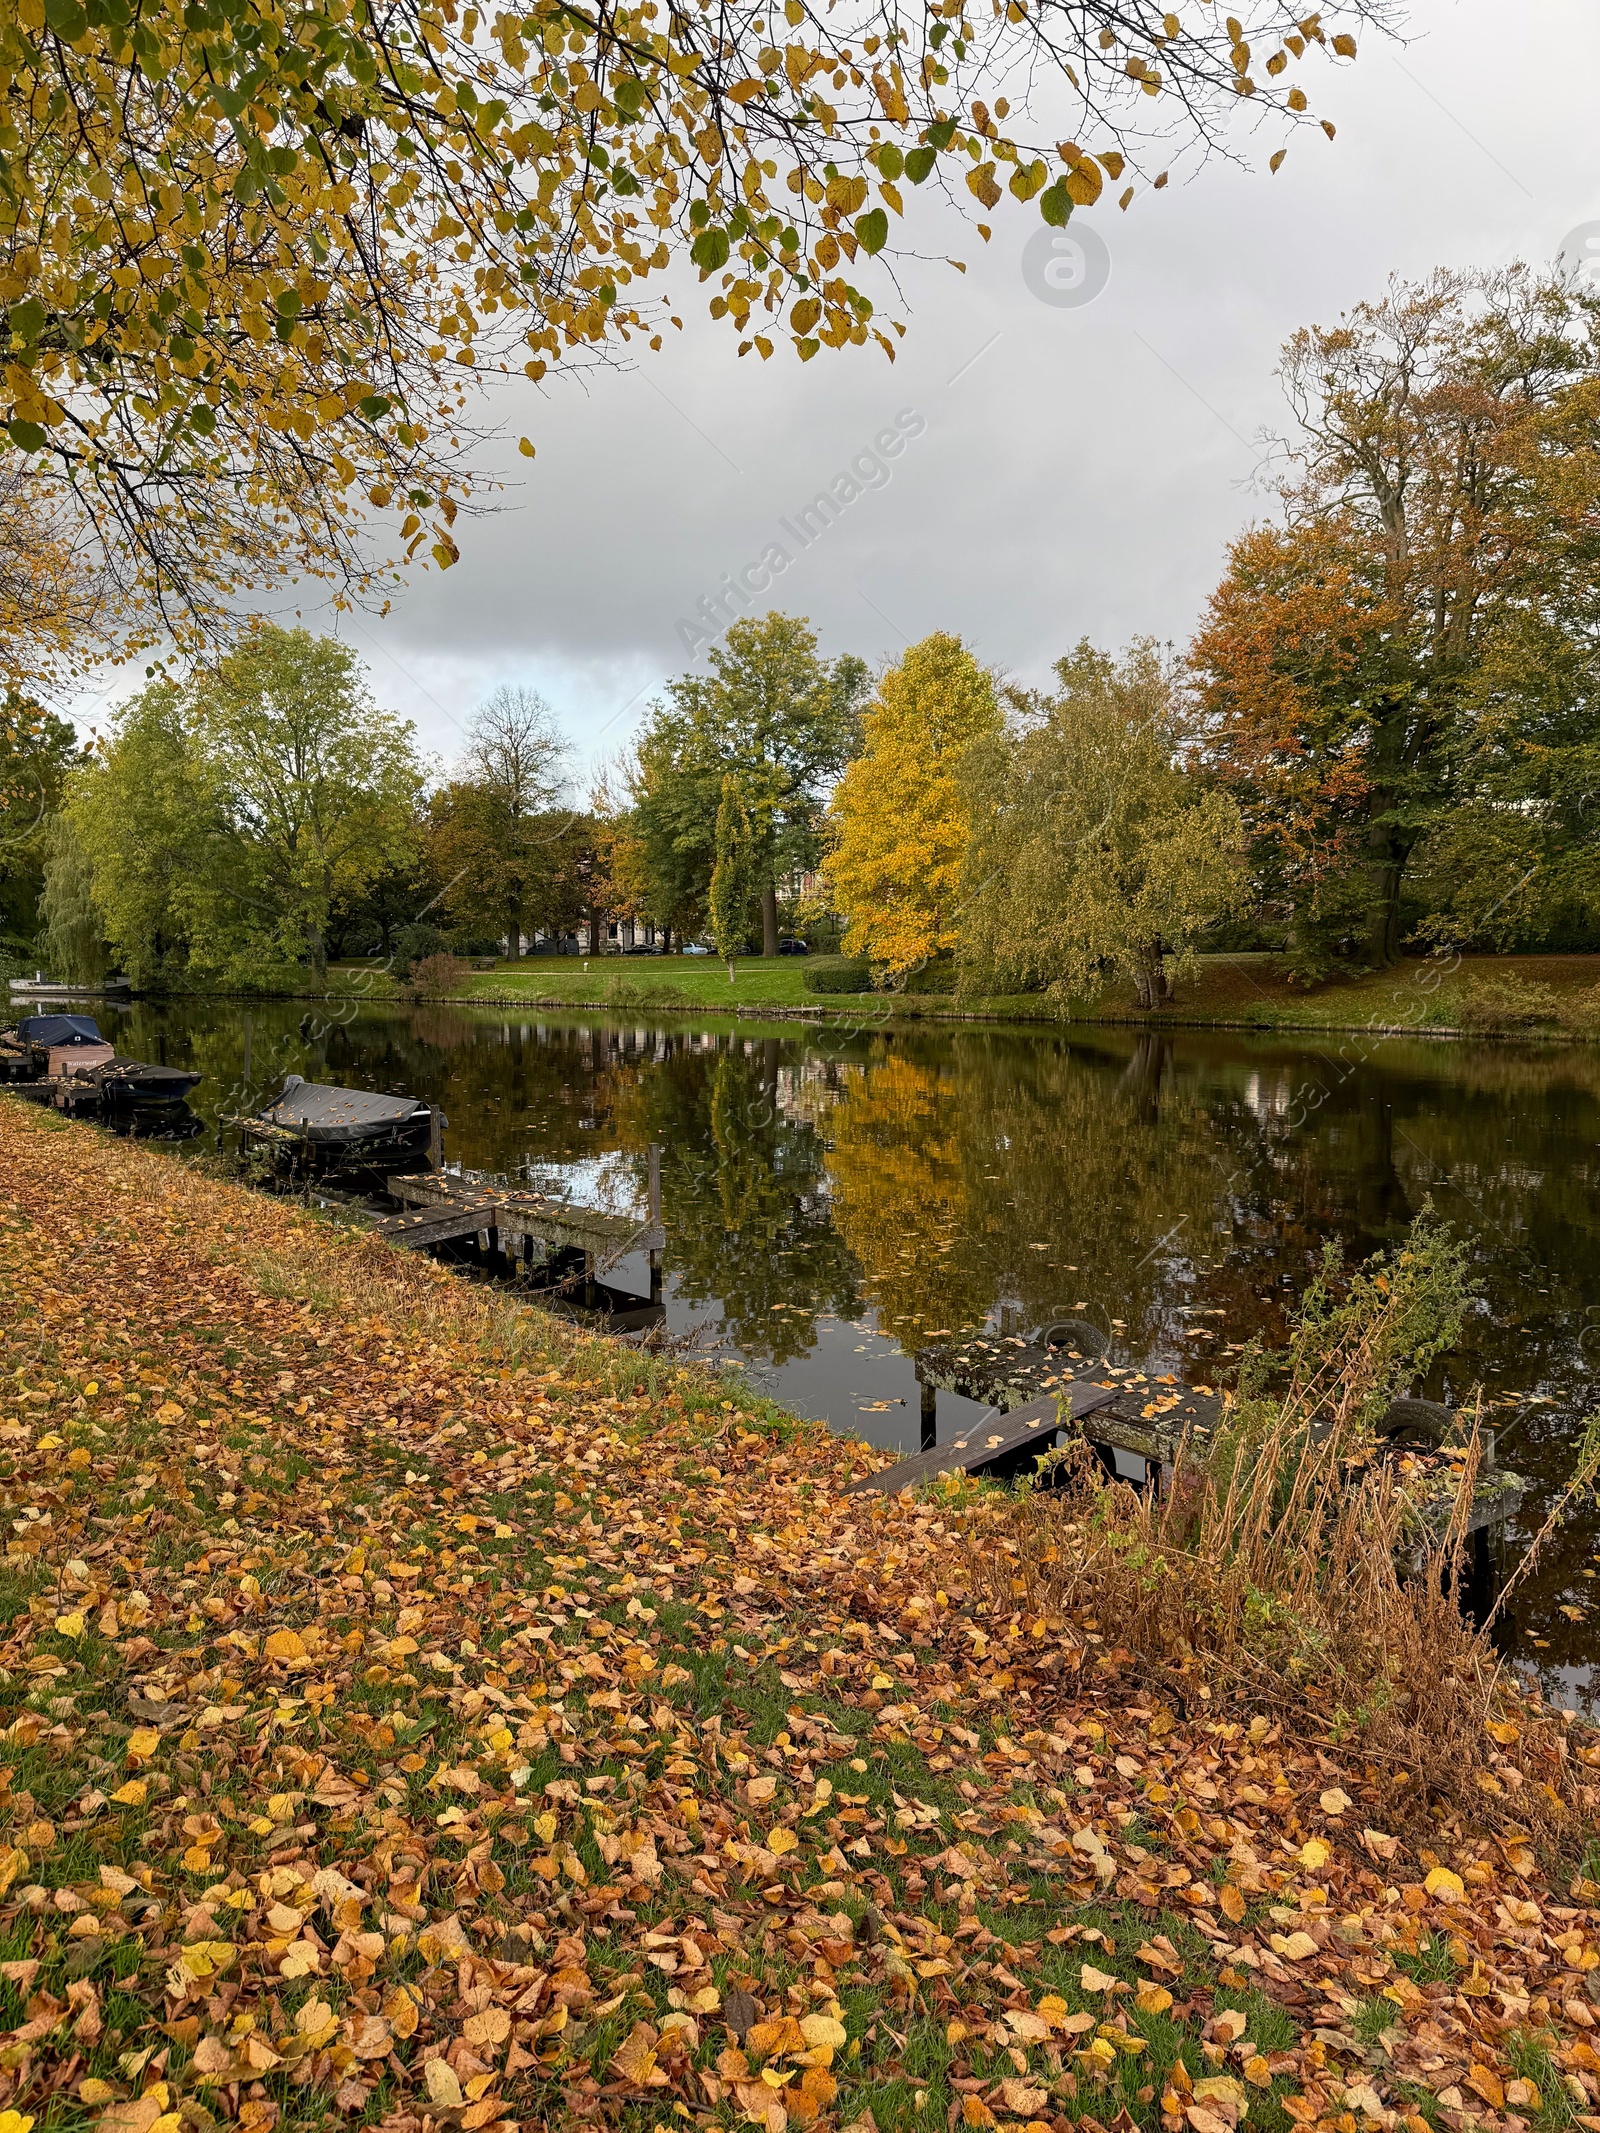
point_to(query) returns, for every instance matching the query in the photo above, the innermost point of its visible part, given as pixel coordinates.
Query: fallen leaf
(634, 2060)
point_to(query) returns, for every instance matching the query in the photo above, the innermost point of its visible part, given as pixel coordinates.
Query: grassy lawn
(1416, 993)
(1253, 990)
(681, 980)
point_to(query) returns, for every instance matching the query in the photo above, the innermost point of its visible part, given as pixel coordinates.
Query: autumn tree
(252, 253)
(776, 716)
(1095, 849)
(1362, 664)
(899, 813)
(59, 610)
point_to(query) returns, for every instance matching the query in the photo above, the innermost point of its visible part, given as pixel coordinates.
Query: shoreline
(421, 1713)
(1008, 1016)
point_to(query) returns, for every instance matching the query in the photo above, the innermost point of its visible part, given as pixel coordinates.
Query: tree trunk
(514, 937)
(666, 940)
(1383, 912)
(317, 952)
(597, 928)
(1150, 984)
(769, 919)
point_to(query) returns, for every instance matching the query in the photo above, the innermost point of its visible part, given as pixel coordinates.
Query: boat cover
(59, 1029)
(138, 1076)
(323, 1113)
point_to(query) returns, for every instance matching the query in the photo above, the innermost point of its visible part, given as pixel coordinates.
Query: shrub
(415, 942)
(438, 977)
(837, 974)
(1497, 1005)
(937, 976)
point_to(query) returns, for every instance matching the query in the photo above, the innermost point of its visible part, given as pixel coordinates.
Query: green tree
(785, 722)
(1095, 849)
(733, 878)
(667, 785)
(899, 813)
(318, 785)
(72, 938)
(38, 750)
(148, 814)
(234, 810)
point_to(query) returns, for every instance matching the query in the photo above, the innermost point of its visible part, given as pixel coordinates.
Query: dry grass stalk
(1300, 1568)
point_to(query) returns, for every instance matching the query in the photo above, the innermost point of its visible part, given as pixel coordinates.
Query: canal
(835, 1197)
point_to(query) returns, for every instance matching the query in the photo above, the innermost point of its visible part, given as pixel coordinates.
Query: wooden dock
(438, 1206)
(1037, 1396)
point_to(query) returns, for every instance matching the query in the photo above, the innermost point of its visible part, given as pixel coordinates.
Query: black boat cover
(139, 1077)
(59, 1029)
(329, 1114)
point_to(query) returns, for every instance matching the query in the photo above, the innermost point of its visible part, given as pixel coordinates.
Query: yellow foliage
(900, 822)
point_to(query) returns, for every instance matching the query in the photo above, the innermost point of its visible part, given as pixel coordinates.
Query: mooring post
(930, 1412)
(435, 1138)
(654, 1211)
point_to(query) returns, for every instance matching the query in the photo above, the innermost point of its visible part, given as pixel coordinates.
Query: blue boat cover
(59, 1029)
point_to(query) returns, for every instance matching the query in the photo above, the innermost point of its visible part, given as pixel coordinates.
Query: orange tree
(1353, 665)
(253, 251)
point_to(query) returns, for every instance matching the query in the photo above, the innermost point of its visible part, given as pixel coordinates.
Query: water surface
(835, 1197)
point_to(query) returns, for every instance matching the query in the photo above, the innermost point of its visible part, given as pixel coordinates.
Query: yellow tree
(899, 814)
(252, 251)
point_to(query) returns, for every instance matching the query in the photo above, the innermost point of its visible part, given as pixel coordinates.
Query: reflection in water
(832, 1198)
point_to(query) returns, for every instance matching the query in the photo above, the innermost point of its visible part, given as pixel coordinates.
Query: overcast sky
(1077, 470)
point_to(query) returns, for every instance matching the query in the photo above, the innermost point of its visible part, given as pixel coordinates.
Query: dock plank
(993, 1441)
(535, 1215)
(436, 1225)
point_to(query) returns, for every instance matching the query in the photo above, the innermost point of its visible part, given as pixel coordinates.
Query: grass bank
(416, 1713)
(1554, 996)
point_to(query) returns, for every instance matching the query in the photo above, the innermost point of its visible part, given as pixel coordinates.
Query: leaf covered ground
(416, 1714)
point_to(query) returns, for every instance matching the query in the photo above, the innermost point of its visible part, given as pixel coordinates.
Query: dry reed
(1298, 1565)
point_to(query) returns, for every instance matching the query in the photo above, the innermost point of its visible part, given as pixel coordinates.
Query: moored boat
(42, 988)
(333, 1128)
(64, 1060)
(45, 1047)
(129, 1084)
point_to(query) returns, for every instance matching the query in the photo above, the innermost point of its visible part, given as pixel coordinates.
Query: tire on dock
(1075, 1335)
(1418, 1422)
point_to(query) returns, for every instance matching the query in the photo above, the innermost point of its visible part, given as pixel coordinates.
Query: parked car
(694, 948)
(793, 948)
(641, 948)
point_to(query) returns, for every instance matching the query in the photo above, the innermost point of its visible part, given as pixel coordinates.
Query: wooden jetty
(1038, 1394)
(438, 1206)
